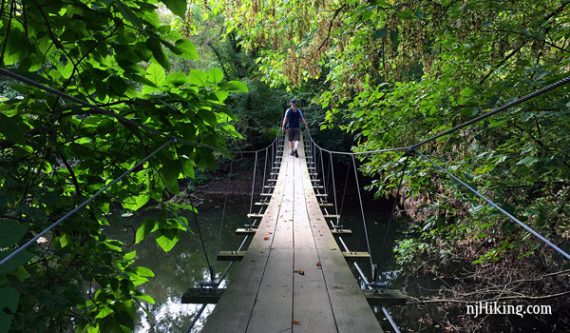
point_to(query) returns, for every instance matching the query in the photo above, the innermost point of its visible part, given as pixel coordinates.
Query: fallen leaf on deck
(300, 271)
(296, 322)
(318, 264)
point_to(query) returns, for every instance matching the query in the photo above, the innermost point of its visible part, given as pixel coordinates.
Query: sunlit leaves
(56, 152)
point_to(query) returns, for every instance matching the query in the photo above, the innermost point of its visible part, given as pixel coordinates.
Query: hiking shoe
(296, 154)
(292, 153)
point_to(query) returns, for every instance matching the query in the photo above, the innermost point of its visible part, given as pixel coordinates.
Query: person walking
(292, 121)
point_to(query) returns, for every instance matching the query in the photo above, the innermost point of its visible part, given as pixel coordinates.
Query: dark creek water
(185, 266)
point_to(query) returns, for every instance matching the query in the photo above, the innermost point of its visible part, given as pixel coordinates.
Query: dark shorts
(294, 134)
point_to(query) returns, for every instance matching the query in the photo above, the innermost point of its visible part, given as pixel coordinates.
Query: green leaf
(144, 229)
(145, 298)
(158, 53)
(188, 49)
(198, 78)
(104, 312)
(134, 203)
(235, 86)
(528, 161)
(9, 299)
(155, 74)
(178, 7)
(177, 78)
(11, 232)
(168, 240)
(144, 271)
(130, 255)
(13, 128)
(16, 262)
(64, 240)
(215, 75)
(170, 171)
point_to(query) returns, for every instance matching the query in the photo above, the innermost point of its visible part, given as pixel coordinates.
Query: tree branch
(330, 26)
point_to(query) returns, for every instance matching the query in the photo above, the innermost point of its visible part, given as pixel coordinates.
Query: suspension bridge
(295, 274)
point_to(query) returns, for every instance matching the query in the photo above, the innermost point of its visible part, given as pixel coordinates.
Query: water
(185, 266)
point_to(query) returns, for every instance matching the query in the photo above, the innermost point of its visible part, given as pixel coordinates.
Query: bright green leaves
(9, 299)
(156, 77)
(136, 202)
(168, 239)
(187, 49)
(56, 153)
(235, 87)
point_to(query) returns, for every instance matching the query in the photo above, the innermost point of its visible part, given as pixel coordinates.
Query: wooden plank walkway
(293, 278)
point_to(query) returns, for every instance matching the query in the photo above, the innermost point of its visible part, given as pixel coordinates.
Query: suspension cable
(226, 195)
(264, 169)
(363, 216)
(499, 208)
(334, 187)
(394, 204)
(83, 204)
(197, 222)
(253, 184)
(344, 192)
(504, 107)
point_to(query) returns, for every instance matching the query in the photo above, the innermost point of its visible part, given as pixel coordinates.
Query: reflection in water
(185, 266)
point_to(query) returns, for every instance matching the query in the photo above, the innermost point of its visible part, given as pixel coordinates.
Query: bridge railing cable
(364, 224)
(497, 207)
(83, 204)
(493, 112)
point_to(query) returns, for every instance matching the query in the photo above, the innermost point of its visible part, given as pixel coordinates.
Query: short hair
(294, 101)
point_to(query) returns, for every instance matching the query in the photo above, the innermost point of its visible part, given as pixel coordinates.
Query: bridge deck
(294, 277)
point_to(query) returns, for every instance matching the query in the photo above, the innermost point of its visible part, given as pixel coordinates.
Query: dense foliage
(385, 72)
(392, 73)
(54, 153)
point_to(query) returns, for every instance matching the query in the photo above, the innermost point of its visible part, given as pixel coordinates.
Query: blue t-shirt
(293, 118)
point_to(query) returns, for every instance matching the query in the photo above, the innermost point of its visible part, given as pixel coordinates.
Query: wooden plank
(385, 297)
(231, 255)
(356, 255)
(266, 194)
(201, 296)
(245, 231)
(312, 310)
(261, 203)
(326, 204)
(272, 311)
(321, 195)
(233, 311)
(341, 232)
(270, 292)
(351, 310)
(273, 306)
(255, 216)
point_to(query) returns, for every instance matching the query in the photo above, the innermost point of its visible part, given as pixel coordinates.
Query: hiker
(292, 119)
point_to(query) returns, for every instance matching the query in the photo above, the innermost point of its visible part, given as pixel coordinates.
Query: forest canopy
(134, 75)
